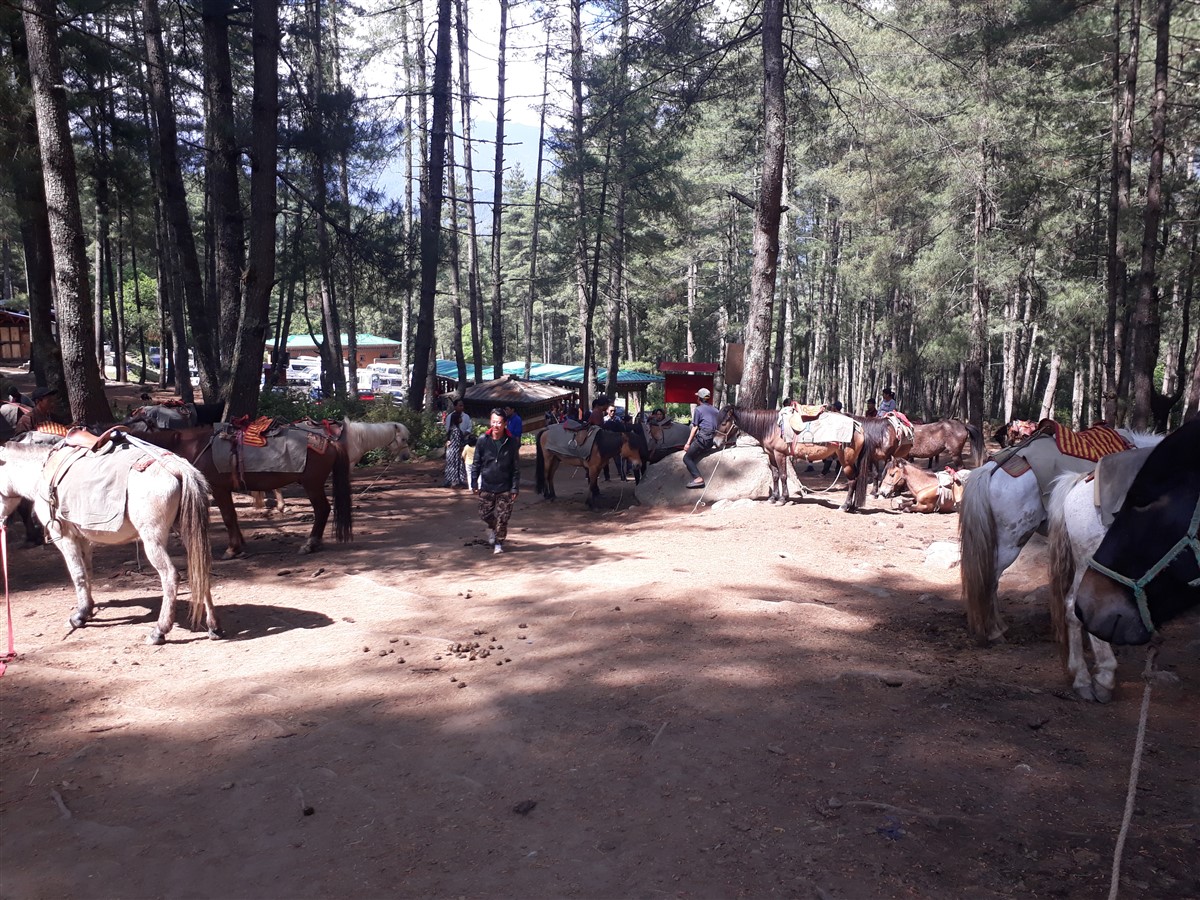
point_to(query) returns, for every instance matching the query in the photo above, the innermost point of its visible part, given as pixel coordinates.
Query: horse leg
(321, 507)
(551, 468)
(157, 555)
(77, 555)
(224, 500)
(1104, 679)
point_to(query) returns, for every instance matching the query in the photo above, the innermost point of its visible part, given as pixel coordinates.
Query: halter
(1139, 586)
(724, 435)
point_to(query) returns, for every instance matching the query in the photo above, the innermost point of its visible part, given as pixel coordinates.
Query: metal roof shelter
(529, 398)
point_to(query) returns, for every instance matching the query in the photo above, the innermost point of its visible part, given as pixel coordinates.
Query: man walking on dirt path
(497, 478)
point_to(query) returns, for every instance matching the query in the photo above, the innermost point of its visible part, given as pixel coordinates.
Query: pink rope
(12, 652)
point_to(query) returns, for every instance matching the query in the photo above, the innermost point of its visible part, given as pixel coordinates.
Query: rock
(835, 803)
(943, 554)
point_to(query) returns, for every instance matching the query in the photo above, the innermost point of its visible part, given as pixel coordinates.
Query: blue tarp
(550, 372)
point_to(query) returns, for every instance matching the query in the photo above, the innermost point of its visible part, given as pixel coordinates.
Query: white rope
(1134, 770)
(707, 482)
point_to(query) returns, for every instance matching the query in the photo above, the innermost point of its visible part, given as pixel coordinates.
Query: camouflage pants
(496, 510)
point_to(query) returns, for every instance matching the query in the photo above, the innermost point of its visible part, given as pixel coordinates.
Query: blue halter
(1139, 586)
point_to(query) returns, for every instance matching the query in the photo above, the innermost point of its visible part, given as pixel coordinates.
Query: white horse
(1076, 530)
(166, 493)
(359, 438)
(999, 514)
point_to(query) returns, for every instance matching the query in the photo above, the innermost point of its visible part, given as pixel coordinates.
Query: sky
(524, 86)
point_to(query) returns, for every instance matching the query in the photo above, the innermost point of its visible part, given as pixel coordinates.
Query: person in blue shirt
(888, 404)
(514, 425)
(705, 419)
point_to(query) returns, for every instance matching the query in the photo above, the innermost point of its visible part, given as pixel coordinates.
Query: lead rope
(12, 652)
(1134, 770)
(708, 481)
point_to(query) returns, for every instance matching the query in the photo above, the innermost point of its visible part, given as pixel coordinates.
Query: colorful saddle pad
(1090, 444)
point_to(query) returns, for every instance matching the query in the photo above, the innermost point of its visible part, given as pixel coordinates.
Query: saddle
(902, 426)
(1091, 444)
(1112, 478)
(263, 445)
(83, 483)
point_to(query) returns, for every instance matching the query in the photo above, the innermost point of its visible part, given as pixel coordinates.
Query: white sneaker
(491, 536)
(499, 548)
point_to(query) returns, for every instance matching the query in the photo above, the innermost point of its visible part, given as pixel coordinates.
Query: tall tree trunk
(474, 291)
(431, 207)
(753, 391)
(1124, 98)
(264, 160)
(1146, 316)
(537, 211)
(175, 209)
(460, 358)
(221, 166)
(85, 389)
(579, 201)
(497, 202)
(617, 266)
(29, 192)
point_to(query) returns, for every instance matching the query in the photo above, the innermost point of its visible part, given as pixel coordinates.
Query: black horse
(1147, 570)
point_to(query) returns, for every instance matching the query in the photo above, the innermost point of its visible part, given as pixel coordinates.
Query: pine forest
(987, 206)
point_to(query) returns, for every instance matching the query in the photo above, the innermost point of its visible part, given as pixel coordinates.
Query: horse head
(727, 429)
(637, 451)
(893, 478)
(399, 443)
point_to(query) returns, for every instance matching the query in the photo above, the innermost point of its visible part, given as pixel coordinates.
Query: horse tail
(1062, 559)
(977, 446)
(193, 532)
(870, 445)
(977, 535)
(539, 465)
(343, 513)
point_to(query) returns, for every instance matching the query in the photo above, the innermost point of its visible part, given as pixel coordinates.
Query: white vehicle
(302, 372)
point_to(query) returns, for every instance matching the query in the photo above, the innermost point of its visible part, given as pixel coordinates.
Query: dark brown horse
(948, 436)
(628, 445)
(195, 445)
(763, 426)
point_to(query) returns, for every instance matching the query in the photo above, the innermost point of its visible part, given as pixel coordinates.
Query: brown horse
(948, 436)
(628, 445)
(195, 445)
(1014, 432)
(763, 426)
(930, 491)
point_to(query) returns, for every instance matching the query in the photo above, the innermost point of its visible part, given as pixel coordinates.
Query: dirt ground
(746, 701)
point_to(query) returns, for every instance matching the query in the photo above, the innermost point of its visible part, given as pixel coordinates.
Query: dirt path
(748, 701)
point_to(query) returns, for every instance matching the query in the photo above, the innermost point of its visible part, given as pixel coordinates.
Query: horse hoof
(233, 554)
(1101, 694)
(78, 621)
(216, 633)
(156, 638)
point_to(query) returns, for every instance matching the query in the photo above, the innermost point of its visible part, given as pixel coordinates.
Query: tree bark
(1124, 97)
(222, 175)
(537, 211)
(85, 389)
(474, 292)
(755, 379)
(1146, 316)
(260, 266)
(175, 209)
(497, 202)
(431, 208)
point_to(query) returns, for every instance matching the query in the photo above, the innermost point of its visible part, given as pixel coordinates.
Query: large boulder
(731, 474)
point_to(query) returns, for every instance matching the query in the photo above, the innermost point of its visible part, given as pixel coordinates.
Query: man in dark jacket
(497, 478)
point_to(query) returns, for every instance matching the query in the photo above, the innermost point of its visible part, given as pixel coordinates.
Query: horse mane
(1141, 438)
(876, 428)
(758, 423)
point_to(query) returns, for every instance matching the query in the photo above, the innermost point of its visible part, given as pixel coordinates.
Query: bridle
(729, 430)
(1189, 540)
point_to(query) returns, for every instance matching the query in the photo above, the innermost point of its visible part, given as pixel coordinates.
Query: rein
(12, 651)
(1189, 540)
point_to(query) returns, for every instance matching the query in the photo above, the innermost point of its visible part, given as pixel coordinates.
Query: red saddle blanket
(1090, 444)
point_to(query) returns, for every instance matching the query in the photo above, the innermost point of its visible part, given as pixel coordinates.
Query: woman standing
(458, 429)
